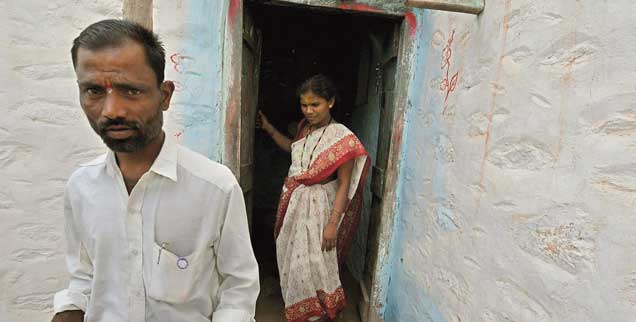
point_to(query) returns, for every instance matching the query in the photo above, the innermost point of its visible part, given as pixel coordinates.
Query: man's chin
(127, 145)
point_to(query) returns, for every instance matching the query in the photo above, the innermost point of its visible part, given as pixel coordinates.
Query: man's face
(120, 95)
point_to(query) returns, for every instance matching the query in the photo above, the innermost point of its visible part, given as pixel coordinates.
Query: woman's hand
(329, 236)
(281, 140)
(263, 123)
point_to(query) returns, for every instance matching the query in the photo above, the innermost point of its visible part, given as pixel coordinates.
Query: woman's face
(315, 108)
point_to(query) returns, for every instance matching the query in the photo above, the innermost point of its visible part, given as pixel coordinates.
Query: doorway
(281, 47)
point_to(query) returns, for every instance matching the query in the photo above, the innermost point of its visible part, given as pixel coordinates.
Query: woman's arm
(281, 140)
(330, 232)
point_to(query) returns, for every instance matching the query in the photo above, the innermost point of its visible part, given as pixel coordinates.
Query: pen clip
(161, 247)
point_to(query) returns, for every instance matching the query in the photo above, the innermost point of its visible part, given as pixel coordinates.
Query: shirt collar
(165, 164)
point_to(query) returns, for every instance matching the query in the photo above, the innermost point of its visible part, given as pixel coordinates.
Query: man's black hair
(113, 33)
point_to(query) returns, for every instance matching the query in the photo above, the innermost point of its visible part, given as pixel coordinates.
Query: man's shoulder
(205, 169)
(89, 167)
(87, 171)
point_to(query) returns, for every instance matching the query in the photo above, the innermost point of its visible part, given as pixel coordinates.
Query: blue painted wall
(194, 32)
(407, 299)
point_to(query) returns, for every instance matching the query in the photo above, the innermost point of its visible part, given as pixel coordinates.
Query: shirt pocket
(174, 278)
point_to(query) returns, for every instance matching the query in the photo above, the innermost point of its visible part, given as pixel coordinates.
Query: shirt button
(135, 252)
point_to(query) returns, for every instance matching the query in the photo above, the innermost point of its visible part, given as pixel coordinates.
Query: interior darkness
(297, 43)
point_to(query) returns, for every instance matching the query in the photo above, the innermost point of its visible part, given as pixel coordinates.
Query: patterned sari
(310, 280)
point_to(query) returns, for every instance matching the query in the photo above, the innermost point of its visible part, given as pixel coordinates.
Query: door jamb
(139, 11)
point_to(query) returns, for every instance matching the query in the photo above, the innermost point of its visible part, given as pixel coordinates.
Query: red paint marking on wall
(176, 60)
(234, 6)
(504, 39)
(360, 7)
(179, 62)
(448, 84)
(411, 22)
(397, 138)
(178, 87)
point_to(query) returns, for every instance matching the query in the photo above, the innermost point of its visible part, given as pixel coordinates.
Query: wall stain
(493, 104)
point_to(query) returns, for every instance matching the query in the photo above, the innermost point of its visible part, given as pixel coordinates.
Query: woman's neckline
(311, 129)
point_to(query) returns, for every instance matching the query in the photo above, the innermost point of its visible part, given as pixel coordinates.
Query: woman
(319, 208)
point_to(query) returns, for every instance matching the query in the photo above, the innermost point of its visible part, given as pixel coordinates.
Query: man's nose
(114, 106)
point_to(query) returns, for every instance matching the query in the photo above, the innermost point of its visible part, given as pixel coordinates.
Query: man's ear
(166, 88)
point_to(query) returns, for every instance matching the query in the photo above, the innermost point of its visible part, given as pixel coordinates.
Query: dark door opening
(297, 43)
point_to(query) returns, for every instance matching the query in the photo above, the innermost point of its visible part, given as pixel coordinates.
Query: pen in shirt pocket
(164, 245)
(161, 248)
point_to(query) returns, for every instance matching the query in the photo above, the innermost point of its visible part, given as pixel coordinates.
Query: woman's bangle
(335, 216)
(336, 211)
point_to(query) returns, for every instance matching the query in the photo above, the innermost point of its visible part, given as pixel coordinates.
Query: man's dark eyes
(94, 91)
(133, 92)
(99, 91)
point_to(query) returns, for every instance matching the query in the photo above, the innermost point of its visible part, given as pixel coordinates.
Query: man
(155, 231)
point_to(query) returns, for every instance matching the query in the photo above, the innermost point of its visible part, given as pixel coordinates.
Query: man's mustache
(117, 123)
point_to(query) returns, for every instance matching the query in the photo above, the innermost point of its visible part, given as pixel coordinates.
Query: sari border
(353, 213)
(322, 305)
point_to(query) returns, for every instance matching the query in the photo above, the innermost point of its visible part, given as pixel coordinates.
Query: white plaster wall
(43, 136)
(518, 194)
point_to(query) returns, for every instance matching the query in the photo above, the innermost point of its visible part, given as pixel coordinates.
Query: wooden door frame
(139, 11)
(231, 87)
(232, 58)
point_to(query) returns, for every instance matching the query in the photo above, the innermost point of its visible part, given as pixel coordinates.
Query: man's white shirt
(176, 249)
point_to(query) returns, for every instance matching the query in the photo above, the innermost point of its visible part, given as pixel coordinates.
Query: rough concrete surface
(43, 137)
(518, 190)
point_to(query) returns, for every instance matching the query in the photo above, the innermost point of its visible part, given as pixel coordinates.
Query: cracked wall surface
(518, 189)
(43, 136)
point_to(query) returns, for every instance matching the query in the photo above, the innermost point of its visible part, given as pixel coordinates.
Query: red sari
(310, 279)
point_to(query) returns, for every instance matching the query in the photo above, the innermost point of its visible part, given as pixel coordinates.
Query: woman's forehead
(310, 97)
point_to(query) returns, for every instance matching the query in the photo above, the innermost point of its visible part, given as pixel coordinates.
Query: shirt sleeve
(237, 265)
(79, 265)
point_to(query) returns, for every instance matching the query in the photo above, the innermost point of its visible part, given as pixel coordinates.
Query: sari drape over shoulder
(310, 279)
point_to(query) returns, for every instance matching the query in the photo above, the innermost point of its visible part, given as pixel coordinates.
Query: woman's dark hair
(320, 85)
(113, 33)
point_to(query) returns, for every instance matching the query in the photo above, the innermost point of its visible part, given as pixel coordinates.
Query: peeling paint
(197, 66)
(411, 22)
(360, 7)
